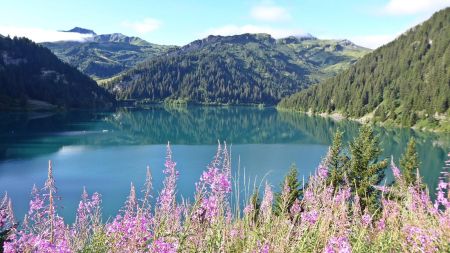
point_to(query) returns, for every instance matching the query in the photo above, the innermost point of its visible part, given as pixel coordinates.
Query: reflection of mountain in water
(205, 125)
(23, 136)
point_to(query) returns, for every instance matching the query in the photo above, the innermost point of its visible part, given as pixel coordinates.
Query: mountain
(240, 69)
(81, 30)
(104, 56)
(31, 76)
(406, 82)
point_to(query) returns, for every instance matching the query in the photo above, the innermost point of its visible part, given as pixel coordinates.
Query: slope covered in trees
(105, 55)
(241, 69)
(405, 82)
(31, 74)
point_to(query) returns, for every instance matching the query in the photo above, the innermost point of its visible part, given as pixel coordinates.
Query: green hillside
(241, 69)
(104, 56)
(406, 82)
(32, 77)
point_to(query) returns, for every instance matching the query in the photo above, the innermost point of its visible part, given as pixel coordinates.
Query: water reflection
(25, 136)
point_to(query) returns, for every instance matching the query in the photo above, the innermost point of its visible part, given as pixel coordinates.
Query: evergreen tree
(291, 183)
(409, 162)
(364, 171)
(336, 160)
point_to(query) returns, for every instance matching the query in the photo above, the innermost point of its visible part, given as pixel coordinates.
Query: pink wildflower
(162, 246)
(166, 200)
(295, 208)
(266, 204)
(395, 169)
(338, 245)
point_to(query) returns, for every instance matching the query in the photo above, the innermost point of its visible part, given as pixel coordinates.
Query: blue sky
(366, 22)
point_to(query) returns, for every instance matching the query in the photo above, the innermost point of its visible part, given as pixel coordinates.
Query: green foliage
(255, 202)
(106, 55)
(364, 169)
(3, 238)
(360, 169)
(241, 69)
(284, 203)
(336, 161)
(402, 83)
(98, 243)
(409, 162)
(31, 72)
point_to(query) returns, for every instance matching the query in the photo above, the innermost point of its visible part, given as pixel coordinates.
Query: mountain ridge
(106, 55)
(405, 82)
(246, 68)
(31, 76)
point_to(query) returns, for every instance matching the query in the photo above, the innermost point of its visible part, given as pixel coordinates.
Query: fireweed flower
(310, 217)
(366, 219)
(215, 185)
(88, 218)
(421, 240)
(409, 220)
(382, 188)
(441, 199)
(248, 209)
(296, 208)
(43, 230)
(7, 219)
(338, 245)
(130, 230)
(395, 169)
(262, 248)
(163, 246)
(342, 195)
(166, 199)
(266, 204)
(322, 171)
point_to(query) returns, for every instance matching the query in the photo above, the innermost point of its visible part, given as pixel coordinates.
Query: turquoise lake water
(105, 151)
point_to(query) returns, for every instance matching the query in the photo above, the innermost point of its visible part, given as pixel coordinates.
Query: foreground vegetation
(344, 207)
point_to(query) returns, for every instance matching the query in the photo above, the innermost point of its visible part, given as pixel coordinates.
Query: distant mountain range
(406, 82)
(240, 69)
(31, 77)
(104, 56)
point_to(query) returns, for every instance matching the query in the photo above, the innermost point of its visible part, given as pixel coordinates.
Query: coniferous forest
(240, 69)
(406, 82)
(29, 72)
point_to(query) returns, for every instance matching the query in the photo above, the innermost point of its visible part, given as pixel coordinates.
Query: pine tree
(290, 182)
(364, 171)
(335, 161)
(409, 162)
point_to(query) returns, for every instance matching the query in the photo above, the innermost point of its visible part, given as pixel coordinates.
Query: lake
(105, 151)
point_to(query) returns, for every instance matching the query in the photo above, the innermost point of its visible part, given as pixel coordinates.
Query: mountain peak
(306, 36)
(234, 39)
(81, 30)
(120, 38)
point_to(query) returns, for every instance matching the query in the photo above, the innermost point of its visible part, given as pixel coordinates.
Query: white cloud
(270, 13)
(145, 26)
(372, 41)
(42, 35)
(234, 30)
(408, 7)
